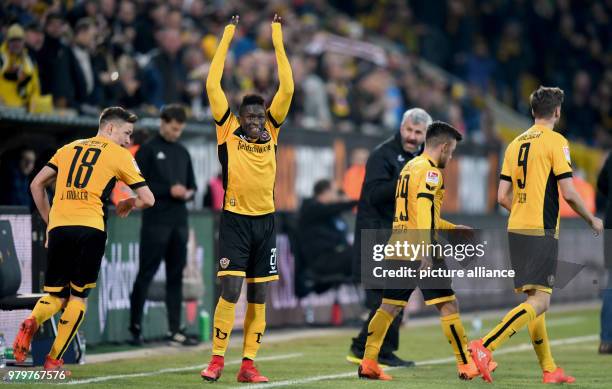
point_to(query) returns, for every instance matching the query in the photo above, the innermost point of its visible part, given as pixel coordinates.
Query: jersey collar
(427, 157)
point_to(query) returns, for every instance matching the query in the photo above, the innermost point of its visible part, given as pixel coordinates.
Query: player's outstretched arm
(43, 179)
(282, 99)
(504, 194)
(569, 193)
(216, 96)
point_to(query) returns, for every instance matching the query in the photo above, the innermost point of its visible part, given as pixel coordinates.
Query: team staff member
(536, 164)
(418, 201)
(85, 172)
(164, 229)
(247, 239)
(375, 211)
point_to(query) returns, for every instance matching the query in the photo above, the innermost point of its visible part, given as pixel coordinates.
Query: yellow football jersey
(534, 162)
(419, 195)
(87, 170)
(248, 168)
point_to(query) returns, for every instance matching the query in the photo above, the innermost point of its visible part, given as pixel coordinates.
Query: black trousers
(159, 241)
(373, 300)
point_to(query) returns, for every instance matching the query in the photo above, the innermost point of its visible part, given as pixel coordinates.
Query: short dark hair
(545, 100)
(252, 100)
(173, 112)
(83, 24)
(440, 132)
(117, 113)
(321, 186)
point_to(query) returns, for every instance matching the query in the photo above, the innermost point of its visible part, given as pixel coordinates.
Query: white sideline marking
(509, 350)
(173, 370)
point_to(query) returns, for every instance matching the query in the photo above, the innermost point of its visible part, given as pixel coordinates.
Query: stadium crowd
(508, 47)
(83, 55)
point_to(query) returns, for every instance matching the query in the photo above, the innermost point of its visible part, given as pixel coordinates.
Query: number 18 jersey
(534, 162)
(87, 170)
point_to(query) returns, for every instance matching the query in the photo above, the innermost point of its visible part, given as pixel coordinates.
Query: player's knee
(448, 308)
(230, 288)
(77, 298)
(256, 292)
(391, 309)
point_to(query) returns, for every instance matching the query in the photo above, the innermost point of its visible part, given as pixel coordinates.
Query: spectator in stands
(196, 67)
(77, 83)
(325, 251)
(580, 116)
(48, 55)
(310, 92)
(128, 91)
(164, 76)
(15, 179)
(19, 83)
(604, 186)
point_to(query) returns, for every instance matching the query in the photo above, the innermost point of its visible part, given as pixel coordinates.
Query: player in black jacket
(375, 211)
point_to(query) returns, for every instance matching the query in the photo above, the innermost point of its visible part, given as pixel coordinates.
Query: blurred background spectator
(15, 174)
(356, 64)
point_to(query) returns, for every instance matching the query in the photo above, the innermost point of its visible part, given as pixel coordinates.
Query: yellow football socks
(541, 344)
(511, 324)
(67, 328)
(377, 330)
(223, 324)
(47, 306)
(455, 333)
(254, 327)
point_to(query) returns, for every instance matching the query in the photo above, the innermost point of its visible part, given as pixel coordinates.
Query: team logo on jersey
(224, 263)
(432, 178)
(161, 155)
(551, 280)
(400, 158)
(264, 136)
(567, 154)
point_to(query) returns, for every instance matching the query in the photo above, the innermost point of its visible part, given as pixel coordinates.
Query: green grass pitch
(319, 362)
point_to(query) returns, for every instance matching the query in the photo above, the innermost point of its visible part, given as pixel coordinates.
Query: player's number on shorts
(401, 192)
(85, 169)
(522, 162)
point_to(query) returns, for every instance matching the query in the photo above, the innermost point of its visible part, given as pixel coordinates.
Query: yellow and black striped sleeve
(282, 99)
(53, 162)
(218, 101)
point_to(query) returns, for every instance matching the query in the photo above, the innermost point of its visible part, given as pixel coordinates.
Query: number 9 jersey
(87, 170)
(534, 162)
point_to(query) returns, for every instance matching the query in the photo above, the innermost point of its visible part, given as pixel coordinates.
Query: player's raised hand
(277, 19)
(235, 19)
(597, 226)
(125, 206)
